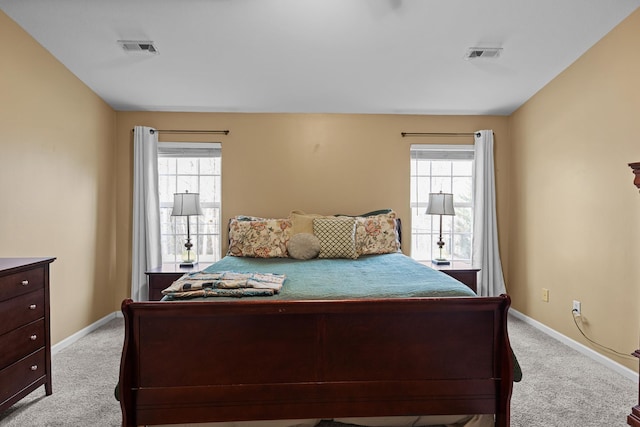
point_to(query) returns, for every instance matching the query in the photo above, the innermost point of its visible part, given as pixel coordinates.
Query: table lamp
(187, 204)
(440, 204)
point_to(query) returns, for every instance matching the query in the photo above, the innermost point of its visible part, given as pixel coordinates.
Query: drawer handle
(34, 367)
(33, 337)
(25, 282)
(32, 307)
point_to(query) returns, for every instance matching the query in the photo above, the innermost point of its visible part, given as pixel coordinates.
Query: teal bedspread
(373, 276)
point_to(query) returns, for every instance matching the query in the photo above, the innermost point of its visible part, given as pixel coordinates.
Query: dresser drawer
(21, 374)
(21, 310)
(21, 283)
(21, 342)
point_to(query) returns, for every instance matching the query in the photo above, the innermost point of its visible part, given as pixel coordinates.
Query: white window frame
(453, 229)
(205, 228)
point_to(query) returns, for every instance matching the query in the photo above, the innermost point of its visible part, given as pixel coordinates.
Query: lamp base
(188, 257)
(440, 261)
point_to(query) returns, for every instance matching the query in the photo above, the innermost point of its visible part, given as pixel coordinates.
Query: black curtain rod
(214, 132)
(405, 134)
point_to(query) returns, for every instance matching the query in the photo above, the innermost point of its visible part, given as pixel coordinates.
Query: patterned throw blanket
(225, 284)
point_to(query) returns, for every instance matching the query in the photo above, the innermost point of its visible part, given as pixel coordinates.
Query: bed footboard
(258, 360)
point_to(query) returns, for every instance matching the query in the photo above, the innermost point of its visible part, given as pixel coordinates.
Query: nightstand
(162, 277)
(461, 271)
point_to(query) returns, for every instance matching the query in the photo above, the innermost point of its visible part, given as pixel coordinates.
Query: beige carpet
(560, 388)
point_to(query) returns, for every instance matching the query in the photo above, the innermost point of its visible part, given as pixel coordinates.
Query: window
(192, 167)
(446, 168)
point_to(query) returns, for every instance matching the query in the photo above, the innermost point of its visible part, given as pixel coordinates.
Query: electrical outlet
(577, 307)
(545, 294)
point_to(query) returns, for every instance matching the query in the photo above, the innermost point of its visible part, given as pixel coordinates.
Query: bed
(348, 339)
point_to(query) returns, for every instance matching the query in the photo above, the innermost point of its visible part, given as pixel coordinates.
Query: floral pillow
(377, 234)
(259, 238)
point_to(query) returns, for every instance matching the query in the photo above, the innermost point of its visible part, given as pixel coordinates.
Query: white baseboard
(615, 366)
(83, 332)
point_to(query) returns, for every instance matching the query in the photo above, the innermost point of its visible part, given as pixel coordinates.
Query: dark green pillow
(372, 213)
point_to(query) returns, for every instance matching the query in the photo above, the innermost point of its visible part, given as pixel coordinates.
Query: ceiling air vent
(138, 46)
(483, 52)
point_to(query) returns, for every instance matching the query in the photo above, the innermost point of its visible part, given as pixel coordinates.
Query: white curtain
(486, 254)
(146, 251)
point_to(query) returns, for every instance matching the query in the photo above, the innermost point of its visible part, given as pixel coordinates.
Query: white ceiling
(325, 56)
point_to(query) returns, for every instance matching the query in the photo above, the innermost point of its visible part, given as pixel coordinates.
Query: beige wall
(574, 213)
(324, 163)
(56, 179)
(567, 210)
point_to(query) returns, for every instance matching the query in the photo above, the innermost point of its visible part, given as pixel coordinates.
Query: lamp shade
(185, 204)
(440, 204)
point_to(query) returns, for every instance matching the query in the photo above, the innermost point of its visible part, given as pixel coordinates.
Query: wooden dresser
(25, 359)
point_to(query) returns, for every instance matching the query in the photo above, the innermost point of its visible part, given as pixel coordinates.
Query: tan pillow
(303, 222)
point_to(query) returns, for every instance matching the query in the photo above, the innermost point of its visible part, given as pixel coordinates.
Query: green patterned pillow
(337, 237)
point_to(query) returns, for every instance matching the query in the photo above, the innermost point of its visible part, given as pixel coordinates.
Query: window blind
(189, 149)
(442, 152)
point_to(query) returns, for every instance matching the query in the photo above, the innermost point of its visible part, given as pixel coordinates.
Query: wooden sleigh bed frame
(186, 362)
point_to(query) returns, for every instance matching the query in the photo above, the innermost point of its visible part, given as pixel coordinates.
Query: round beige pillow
(303, 246)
